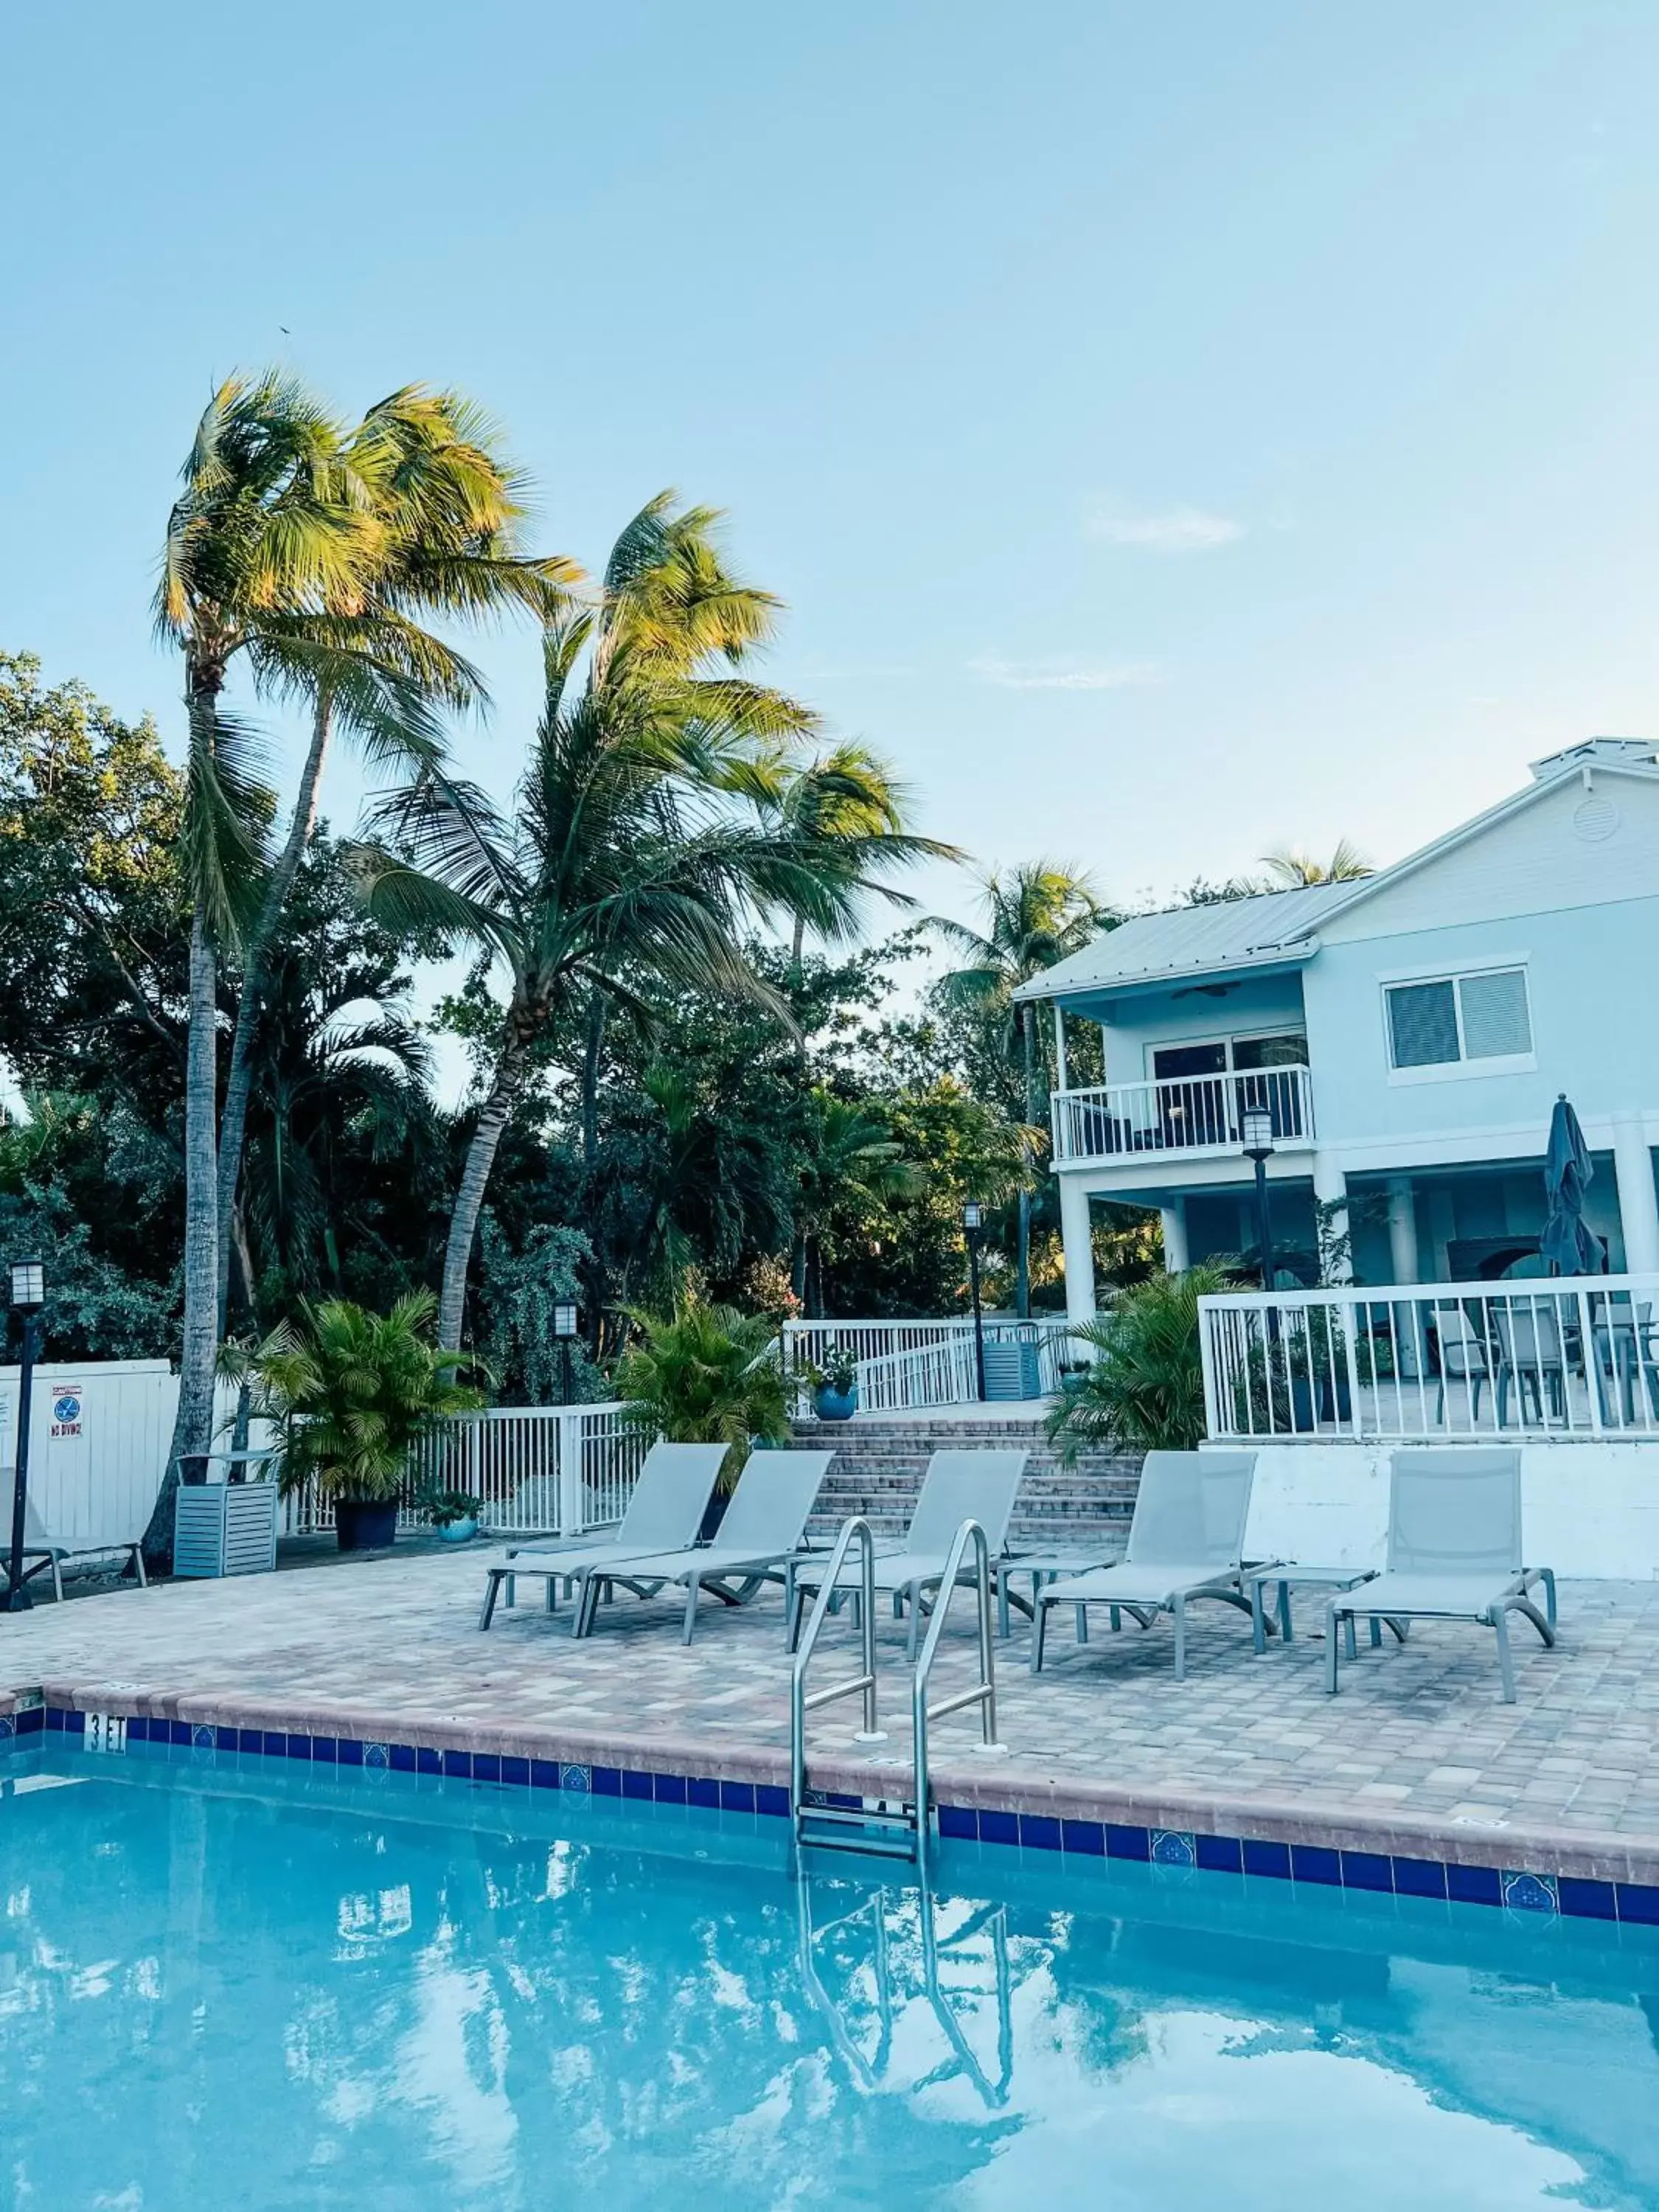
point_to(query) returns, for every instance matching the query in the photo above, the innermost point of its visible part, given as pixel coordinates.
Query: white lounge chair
(958, 1486)
(663, 1514)
(48, 1550)
(759, 1536)
(1453, 1553)
(1186, 1541)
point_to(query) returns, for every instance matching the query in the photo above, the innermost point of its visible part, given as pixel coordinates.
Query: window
(1459, 1018)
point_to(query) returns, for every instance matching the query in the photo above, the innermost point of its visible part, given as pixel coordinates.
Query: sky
(1176, 431)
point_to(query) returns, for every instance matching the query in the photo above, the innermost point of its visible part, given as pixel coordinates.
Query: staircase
(879, 1463)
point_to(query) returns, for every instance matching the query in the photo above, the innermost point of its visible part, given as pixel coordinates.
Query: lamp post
(564, 1335)
(973, 1217)
(1259, 1147)
(28, 1295)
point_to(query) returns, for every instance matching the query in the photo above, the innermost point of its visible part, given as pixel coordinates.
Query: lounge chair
(759, 1537)
(958, 1486)
(663, 1514)
(1453, 1553)
(48, 1551)
(1186, 1541)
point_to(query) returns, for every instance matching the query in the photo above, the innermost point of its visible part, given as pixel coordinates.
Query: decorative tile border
(1319, 1866)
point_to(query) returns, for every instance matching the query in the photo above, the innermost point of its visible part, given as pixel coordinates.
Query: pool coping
(1582, 1874)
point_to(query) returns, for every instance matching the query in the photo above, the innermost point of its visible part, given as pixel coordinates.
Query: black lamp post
(564, 1335)
(28, 1295)
(1259, 1147)
(973, 1217)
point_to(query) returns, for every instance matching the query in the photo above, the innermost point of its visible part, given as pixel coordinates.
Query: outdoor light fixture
(973, 1215)
(1258, 1126)
(564, 1335)
(28, 1295)
(1258, 1132)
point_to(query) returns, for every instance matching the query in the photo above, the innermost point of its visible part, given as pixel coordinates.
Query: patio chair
(1465, 1357)
(958, 1486)
(663, 1514)
(1624, 1349)
(1530, 1351)
(759, 1538)
(1186, 1541)
(1453, 1553)
(45, 1546)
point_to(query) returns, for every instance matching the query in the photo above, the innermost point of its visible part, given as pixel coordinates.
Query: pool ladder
(876, 1825)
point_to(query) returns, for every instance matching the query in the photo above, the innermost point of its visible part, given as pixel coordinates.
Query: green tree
(1034, 916)
(854, 1166)
(1145, 1391)
(1289, 870)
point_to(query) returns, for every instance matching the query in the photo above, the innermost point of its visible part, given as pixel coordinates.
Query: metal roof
(1194, 940)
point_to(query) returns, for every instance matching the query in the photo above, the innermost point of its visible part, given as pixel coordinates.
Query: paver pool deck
(1416, 1754)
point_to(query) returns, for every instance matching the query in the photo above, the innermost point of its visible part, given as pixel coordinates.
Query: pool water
(227, 1985)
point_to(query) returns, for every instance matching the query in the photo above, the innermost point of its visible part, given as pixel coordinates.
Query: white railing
(1182, 1114)
(812, 1343)
(1571, 1356)
(945, 1374)
(535, 1470)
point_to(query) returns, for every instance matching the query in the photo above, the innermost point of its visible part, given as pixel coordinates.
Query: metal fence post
(568, 1427)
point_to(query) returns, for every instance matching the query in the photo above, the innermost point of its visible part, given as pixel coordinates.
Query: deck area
(1416, 1753)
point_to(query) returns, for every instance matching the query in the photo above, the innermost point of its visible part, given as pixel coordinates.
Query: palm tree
(631, 853)
(1292, 871)
(854, 1161)
(448, 509)
(1035, 916)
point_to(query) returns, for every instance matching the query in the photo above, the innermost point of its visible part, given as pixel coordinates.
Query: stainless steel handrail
(799, 1703)
(984, 1692)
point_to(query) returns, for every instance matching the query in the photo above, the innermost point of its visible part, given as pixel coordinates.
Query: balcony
(1189, 1115)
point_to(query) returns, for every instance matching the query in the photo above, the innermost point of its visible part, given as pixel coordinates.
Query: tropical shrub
(707, 1374)
(1145, 1390)
(353, 1392)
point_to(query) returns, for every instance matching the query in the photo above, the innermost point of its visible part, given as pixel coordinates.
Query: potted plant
(835, 1386)
(706, 1373)
(352, 1393)
(452, 1513)
(1074, 1374)
(1144, 1389)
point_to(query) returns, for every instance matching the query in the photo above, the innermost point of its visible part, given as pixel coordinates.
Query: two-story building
(1408, 1032)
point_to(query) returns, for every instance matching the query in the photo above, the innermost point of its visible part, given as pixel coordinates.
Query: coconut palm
(1289, 870)
(449, 511)
(854, 1164)
(631, 852)
(1035, 916)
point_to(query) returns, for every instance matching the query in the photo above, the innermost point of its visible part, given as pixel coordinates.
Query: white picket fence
(909, 1381)
(908, 1366)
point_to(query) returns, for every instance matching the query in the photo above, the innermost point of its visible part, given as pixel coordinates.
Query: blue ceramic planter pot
(835, 1404)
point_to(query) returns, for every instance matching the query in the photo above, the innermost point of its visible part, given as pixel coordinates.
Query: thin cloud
(1175, 530)
(1066, 675)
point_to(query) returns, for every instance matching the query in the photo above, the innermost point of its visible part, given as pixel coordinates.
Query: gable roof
(1277, 926)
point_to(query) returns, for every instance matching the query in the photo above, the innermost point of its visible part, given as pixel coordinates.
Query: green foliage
(517, 1291)
(1145, 1391)
(707, 1374)
(353, 1392)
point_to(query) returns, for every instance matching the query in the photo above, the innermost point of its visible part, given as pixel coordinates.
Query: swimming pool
(225, 1983)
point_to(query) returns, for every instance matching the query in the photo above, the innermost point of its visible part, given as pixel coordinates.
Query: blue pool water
(227, 1985)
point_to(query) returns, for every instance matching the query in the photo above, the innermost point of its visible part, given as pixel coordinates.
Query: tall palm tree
(1289, 870)
(1034, 916)
(854, 1161)
(449, 511)
(632, 851)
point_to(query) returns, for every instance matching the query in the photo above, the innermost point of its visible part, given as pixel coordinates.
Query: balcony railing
(1182, 1114)
(1573, 1356)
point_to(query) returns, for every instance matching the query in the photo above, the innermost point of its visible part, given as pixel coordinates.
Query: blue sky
(1176, 430)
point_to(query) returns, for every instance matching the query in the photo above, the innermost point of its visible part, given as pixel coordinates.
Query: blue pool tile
(1039, 1831)
(1586, 1901)
(139, 1731)
(996, 1827)
(178, 1732)
(1419, 1878)
(1473, 1885)
(844, 1801)
(201, 1735)
(403, 1759)
(515, 1770)
(772, 1799)
(486, 1766)
(299, 1747)
(1366, 1870)
(545, 1774)
(1087, 1837)
(30, 1720)
(1528, 1893)
(325, 1748)
(703, 1790)
(737, 1796)
(273, 1743)
(607, 1782)
(1173, 1847)
(1219, 1854)
(1637, 1903)
(1313, 1863)
(1127, 1843)
(960, 1821)
(1272, 1860)
(427, 1760)
(351, 1751)
(459, 1763)
(668, 1788)
(635, 1784)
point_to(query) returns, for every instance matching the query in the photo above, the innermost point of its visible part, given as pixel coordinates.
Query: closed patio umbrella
(1566, 1243)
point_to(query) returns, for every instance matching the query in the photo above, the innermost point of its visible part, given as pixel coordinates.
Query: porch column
(1061, 1080)
(1175, 1236)
(1079, 1249)
(1638, 1210)
(1331, 1189)
(1403, 1231)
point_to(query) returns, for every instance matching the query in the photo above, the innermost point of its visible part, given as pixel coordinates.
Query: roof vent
(1631, 752)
